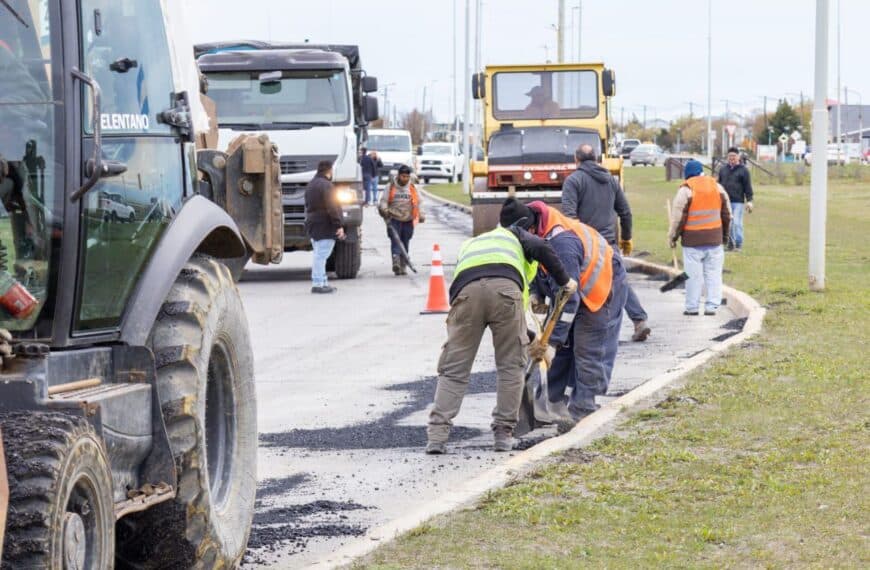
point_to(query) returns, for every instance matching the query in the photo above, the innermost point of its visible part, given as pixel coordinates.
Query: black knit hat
(513, 211)
(404, 169)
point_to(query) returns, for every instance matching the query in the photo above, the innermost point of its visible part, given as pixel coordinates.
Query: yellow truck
(535, 117)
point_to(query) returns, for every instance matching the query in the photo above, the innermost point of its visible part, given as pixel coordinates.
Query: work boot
(504, 440)
(566, 424)
(403, 267)
(641, 331)
(323, 290)
(397, 265)
(436, 448)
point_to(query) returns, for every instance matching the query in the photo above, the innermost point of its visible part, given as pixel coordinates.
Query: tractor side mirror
(370, 110)
(369, 84)
(478, 85)
(608, 83)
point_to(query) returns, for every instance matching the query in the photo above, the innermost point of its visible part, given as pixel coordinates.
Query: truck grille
(432, 162)
(295, 164)
(292, 188)
(294, 209)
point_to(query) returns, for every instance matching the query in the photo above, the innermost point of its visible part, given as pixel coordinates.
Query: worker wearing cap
(400, 207)
(701, 216)
(490, 290)
(582, 349)
(542, 105)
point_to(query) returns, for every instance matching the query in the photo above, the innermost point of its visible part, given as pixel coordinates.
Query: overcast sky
(658, 48)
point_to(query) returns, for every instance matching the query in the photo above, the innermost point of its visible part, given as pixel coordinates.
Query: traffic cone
(437, 302)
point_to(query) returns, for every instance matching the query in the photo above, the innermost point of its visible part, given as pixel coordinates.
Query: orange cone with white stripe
(437, 302)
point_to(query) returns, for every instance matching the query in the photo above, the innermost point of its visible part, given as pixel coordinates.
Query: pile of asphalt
(384, 432)
(734, 326)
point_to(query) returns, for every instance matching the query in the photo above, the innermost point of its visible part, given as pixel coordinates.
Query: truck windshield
(299, 99)
(30, 173)
(389, 143)
(542, 95)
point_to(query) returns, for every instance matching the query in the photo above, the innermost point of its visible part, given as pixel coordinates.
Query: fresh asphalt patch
(733, 327)
(385, 432)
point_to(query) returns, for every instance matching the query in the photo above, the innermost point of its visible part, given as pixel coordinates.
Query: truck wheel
(347, 258)
(61, 509)
(205, 382)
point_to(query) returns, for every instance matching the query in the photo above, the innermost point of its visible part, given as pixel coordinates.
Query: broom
(682, 277)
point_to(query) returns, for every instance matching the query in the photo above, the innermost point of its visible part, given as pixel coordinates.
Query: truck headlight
(345, 195)
(554, 176)
(527, 176)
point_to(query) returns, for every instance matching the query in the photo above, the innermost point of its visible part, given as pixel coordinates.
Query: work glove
(4, 168)
(5, 347)
(422, 218)
(384, 213)
(626, 246)
(672, 243)
(749, 207)
(545, 352)
(571, 286)
(537, 304)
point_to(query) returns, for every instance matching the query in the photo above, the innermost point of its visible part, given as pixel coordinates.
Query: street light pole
(466, 121)
(455, 77)
(819, 184)
(710, 82)
(839, 88)
(561, 37)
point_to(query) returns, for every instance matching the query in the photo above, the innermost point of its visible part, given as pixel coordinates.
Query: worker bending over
(491, 289)
(582, 350)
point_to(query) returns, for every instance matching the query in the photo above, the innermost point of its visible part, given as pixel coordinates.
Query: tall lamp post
(710, 82)
(819, 185)
(466, 119)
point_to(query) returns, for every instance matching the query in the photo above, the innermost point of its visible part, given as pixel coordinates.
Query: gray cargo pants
(496, 303)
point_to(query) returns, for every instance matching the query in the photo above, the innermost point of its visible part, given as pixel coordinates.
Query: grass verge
(760, 460)
(451, 192)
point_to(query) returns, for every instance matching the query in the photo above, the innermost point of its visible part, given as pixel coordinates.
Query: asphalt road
(344, 383)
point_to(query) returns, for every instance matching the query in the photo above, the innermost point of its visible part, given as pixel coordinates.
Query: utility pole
(478, 66)
(455, 78)
(579, 9)
(644, 116)
(819, 184)
(710, 82)
(622, 117)
(561, 33)
(839, 89)
(466, 135)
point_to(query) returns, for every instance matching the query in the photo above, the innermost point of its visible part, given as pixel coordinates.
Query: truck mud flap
(4, 494)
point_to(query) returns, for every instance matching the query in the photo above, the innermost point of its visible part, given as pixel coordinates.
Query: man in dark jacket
(370, 163)
(734, 177)
(322, 224)
(593, 196)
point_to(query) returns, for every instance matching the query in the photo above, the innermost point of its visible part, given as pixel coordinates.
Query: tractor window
(30, 171)
(123, 218)
(545, 95)
(124, 48)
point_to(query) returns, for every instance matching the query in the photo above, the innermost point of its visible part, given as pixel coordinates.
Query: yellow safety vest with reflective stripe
(498, 246)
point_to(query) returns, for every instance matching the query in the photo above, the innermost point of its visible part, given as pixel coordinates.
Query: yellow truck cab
(535, 117)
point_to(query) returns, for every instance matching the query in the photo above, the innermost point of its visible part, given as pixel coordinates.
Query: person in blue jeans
(370, 164)
(734, 178)
(322, 224)
(701, 217)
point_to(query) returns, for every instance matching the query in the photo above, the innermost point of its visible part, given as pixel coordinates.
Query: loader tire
(61, 509)
(205, 382)
(347, 257)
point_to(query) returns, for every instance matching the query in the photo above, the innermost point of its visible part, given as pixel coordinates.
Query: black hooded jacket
(322, 211)
(593, 196)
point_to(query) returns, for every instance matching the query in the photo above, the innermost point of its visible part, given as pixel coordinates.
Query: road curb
(589, 429)
(445, 201)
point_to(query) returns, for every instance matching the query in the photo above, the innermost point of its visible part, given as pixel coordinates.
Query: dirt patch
(385, 432)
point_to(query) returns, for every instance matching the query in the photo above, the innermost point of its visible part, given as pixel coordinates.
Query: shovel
(682, 277)
(527, 420)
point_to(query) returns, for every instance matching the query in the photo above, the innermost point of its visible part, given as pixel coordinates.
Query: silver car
(647, 154)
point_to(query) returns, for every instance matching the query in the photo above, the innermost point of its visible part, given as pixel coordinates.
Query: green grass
(450, 192)
(759, 461)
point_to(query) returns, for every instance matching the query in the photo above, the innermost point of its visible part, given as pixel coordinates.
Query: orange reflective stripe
(705, 210)
(596, 271)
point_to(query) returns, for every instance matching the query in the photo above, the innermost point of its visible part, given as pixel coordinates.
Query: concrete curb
(589, 429)
(445, 201)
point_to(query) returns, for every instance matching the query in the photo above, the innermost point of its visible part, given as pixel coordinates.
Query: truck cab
(394, 148)
(535, 118)
(311, 102)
